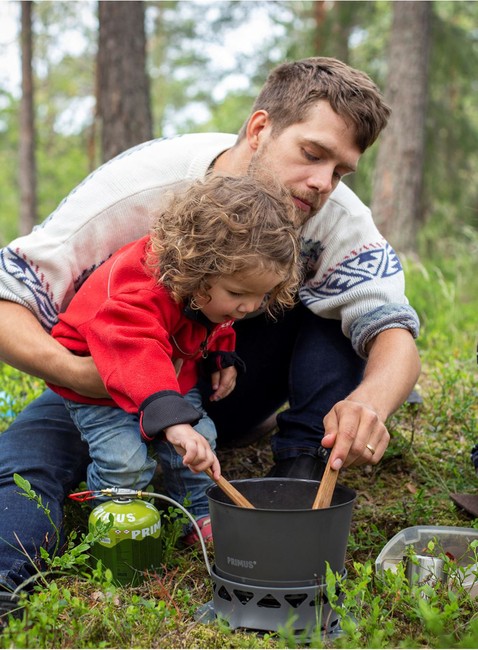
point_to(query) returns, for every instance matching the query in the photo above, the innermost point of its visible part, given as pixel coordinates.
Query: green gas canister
(132, 545)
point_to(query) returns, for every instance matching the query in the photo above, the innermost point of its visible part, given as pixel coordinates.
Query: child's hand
(223, 382)
(194, 448)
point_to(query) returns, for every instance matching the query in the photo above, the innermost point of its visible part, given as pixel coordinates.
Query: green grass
(427, 460)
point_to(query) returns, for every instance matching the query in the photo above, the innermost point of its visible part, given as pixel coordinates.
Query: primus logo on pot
(245, 564)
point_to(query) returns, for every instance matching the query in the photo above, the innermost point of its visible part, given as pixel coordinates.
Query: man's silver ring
(371, 449)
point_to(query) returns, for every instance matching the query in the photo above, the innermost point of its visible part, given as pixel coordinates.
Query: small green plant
(75, 555)
(17, 390)
(75, 598)
(375, 609)
(172, 529)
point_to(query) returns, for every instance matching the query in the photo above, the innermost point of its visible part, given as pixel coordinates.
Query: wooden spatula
(324, 495)
(235, 496)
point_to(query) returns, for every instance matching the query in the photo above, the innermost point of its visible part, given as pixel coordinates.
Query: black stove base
(268, 609)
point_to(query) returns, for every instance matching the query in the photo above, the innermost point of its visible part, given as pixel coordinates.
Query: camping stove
(271, 561)
(269, 608)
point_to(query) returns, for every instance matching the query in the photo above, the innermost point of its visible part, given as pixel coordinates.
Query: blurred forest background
(98, 77)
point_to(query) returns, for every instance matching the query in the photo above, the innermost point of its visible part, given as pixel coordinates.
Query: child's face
(231, 297)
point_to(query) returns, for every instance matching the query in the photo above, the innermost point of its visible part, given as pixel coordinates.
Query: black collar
(197, 316)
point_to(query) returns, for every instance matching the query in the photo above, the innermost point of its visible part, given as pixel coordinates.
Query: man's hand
(356, 433)
(223, 382)
(355, 427)
(194, 448)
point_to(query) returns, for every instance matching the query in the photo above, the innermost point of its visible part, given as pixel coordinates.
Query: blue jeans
(301, 357)
(120, 456)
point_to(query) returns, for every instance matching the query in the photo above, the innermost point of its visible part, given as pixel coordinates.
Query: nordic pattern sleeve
(111, 207)
(352, 272)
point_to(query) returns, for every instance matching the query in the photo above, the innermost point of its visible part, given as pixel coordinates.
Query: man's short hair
(292, 88)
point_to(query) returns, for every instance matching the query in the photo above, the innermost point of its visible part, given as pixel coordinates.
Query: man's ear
(255, 127)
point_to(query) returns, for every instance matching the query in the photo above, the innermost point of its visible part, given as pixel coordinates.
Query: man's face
(308, 157)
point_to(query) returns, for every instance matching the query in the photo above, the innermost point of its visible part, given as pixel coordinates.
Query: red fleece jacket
(135, 331)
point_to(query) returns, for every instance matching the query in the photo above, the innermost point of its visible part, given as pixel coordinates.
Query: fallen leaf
(411, 488)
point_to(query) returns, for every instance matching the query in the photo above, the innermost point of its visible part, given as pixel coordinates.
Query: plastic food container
(454, 541)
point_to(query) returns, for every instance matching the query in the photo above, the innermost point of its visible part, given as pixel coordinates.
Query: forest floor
(428, 459)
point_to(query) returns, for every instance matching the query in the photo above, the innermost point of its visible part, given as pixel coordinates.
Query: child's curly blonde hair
(225, 225)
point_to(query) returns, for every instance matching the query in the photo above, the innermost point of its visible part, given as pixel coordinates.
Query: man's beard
(260, 169)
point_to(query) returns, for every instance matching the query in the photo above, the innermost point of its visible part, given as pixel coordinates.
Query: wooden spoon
(324, 495)
(235, 496)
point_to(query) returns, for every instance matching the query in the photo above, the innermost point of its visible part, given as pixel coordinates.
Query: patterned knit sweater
(354, 275)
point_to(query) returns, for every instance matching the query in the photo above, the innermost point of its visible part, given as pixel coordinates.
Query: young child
(158, 316)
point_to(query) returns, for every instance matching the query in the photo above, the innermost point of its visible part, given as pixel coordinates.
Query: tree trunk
(27, 167)
(319, 13)
(398, 179)
(343, 13)
(123, 97)
(331, 31)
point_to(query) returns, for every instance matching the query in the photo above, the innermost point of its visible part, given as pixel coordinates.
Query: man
(345, 357)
